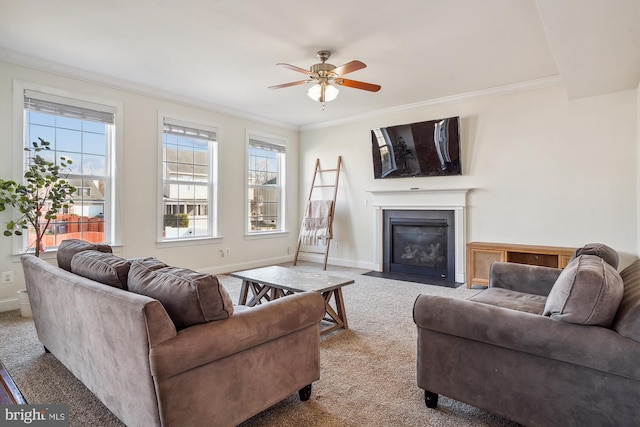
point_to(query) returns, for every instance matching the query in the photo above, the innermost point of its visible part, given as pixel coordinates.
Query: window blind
(174, 128)
(67, 107)
(267, 146)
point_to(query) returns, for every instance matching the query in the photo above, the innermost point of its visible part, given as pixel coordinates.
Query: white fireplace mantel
(424, 199)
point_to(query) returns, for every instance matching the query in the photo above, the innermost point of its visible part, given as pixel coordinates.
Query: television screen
(430, 148)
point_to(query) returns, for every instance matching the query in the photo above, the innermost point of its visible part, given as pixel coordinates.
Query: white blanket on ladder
(316, 225)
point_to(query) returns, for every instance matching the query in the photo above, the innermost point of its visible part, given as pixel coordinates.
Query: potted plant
(44, 192)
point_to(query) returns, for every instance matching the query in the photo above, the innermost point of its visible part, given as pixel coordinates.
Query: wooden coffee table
(269, 283)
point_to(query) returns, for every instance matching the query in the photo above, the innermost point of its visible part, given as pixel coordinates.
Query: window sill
(188, 242)
(266, 235)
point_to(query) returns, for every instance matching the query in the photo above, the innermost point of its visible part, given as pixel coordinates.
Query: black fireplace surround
(419, 243)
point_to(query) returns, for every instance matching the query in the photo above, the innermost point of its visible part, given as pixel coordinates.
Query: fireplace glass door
(419, 243)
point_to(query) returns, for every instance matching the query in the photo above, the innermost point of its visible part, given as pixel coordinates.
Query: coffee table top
(292, 279)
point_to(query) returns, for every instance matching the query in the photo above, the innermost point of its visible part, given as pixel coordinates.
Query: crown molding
(447, 100)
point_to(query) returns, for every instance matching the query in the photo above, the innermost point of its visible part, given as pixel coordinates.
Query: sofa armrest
(201, 344)
(530, 279)
(589, 346)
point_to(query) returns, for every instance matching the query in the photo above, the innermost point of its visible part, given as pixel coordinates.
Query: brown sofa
(526, 348)
(152, 369)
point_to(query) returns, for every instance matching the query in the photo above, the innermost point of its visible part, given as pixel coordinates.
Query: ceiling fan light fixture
(315, 92)
(324, 74)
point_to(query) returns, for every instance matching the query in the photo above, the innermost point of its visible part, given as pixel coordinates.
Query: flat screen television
(430, 148)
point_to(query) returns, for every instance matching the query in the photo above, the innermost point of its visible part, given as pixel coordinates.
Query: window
(189, 175)
(265, 185)
(387, 155)
(85, 133)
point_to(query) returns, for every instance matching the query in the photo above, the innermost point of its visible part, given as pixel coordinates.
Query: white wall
(545, 171)
(638, 165)
(139, 180)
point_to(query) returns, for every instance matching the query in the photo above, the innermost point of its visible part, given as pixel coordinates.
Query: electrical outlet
(7, 277)
(227, 251)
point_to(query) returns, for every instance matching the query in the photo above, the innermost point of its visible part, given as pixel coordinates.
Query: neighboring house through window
(189, 180)
(84, 132)
(265, 184)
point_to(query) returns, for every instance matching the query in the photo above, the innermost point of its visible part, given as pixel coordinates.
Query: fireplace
(419, 242)
(425, 200)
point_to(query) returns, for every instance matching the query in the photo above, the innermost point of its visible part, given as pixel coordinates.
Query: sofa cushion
(514, 300)
(598, 249)
(587, 292)
(68, 248)
(189, 297)
(102, 267)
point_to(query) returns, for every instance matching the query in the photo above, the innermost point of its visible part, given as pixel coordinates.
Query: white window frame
(282, 206)
(112, 225)
(212, 184)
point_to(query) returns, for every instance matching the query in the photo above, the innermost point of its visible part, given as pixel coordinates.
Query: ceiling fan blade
(294, 68)
(358, 85)
(349, 67)
(299, 82)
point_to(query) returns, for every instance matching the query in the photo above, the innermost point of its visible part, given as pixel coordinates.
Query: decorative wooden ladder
(314, 185)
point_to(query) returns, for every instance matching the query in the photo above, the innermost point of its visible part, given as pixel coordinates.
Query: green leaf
(45, 191)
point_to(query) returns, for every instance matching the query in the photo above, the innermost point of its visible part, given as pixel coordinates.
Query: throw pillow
(150, 263)
(102, 267)
(587, 292)
(627, 320)
(599, 249)
(189, 297)
(68, 248)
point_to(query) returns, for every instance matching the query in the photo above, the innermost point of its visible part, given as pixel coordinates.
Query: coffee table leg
(244, 292)
(337, 316)
(259, 291)
(342, 313)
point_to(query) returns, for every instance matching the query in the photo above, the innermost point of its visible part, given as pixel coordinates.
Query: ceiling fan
(326, 76)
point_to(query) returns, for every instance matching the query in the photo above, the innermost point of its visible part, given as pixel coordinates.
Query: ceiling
(222, 53)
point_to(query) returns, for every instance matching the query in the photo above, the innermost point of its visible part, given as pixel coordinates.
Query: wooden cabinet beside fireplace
(480, 256)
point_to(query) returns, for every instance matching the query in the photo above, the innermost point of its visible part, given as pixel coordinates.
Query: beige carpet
(367, 373)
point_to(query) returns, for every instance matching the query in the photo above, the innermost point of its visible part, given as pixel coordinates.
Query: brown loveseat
(153, 369)
(540, 346)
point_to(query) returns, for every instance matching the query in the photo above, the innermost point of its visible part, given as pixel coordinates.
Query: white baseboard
(9, 304)
(229, 268)
(319, 258)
